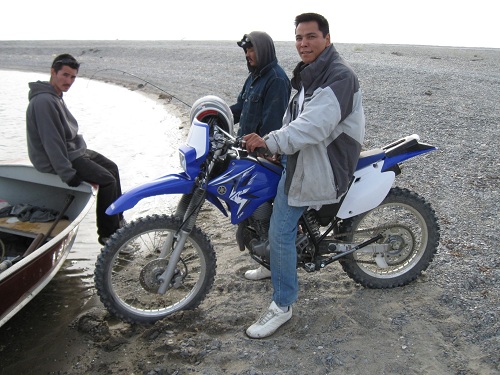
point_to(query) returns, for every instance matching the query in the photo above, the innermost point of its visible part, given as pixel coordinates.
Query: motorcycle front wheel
(128, 268)
(408, 226)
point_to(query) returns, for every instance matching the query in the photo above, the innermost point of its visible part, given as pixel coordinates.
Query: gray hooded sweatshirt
(52, 132)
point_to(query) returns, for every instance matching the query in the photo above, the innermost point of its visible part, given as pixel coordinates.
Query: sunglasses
(245, 42)
(67, 61)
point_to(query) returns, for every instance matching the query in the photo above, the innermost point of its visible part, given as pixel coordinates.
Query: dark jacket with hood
(52, 132)
(265, 94)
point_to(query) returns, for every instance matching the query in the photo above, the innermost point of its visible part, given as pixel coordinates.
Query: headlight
(187, 158)
(182, 160)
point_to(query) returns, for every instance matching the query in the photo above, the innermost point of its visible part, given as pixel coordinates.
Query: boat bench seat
(28, 229)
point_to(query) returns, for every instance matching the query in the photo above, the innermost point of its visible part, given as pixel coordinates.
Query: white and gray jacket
(322, 140)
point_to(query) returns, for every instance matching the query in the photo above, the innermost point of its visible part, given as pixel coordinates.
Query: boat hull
(25, 278)
(22, 286)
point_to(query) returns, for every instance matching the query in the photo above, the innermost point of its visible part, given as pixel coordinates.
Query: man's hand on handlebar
(254, 143)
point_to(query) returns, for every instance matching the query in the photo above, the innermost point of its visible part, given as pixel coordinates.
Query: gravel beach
(447, 322)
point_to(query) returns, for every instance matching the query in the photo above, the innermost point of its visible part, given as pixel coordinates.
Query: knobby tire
(415, 225)
(128, 266)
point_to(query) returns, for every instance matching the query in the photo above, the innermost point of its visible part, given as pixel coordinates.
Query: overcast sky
(430, 22)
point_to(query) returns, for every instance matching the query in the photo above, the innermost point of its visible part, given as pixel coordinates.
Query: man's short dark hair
(65, 59)
(318, 18)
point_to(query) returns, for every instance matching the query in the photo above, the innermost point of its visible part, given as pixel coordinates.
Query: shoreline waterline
(132, 129)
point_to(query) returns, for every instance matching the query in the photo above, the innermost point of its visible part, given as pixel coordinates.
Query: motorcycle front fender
(169, 184)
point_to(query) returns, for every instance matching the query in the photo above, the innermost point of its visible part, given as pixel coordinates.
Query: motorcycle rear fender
(169, 184)
(404, 149)
(368, 190)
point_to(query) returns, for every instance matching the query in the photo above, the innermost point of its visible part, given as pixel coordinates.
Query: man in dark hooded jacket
(264, 98)
(54, 145)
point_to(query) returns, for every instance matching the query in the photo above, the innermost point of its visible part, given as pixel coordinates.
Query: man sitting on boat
(54, 145)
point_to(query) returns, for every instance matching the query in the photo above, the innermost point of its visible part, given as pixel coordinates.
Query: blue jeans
(282, 235)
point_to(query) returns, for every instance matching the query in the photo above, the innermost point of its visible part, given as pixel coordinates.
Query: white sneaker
(258, 274)
(269, 322)
(130, 248)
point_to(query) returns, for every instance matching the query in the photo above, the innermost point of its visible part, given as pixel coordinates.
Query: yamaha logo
(221, 190)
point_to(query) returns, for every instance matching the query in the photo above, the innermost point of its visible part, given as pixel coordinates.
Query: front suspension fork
(178, 240)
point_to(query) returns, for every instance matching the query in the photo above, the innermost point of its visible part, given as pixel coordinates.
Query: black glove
(75, 181)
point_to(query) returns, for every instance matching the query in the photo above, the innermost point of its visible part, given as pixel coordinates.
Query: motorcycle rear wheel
(413, 228)
(128, 267)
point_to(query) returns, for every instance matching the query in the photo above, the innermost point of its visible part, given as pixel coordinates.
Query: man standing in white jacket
(319, 143)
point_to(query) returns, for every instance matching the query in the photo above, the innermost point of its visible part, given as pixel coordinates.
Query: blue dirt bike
(383, 236)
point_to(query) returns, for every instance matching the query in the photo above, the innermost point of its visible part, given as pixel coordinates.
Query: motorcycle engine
(256, 234)
(253, 232)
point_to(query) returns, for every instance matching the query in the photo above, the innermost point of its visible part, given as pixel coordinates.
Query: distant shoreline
(72, 41)
(188, 70)
(191, 69)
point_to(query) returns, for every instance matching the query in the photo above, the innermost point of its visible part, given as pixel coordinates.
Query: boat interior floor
(16, 236)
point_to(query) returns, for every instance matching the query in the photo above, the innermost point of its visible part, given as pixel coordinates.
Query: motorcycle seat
(369, 157)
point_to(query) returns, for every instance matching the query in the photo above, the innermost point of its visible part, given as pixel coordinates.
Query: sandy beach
(447, 322)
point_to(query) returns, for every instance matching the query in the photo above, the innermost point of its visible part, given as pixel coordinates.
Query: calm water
(130, 128)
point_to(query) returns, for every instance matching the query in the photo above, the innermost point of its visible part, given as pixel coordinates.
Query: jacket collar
(265, 69)
(305, 74)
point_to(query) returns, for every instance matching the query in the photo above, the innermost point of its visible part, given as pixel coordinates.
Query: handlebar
(239, 143)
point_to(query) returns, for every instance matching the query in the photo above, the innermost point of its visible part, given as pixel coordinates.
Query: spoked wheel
(128, 269)
(410, 230)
